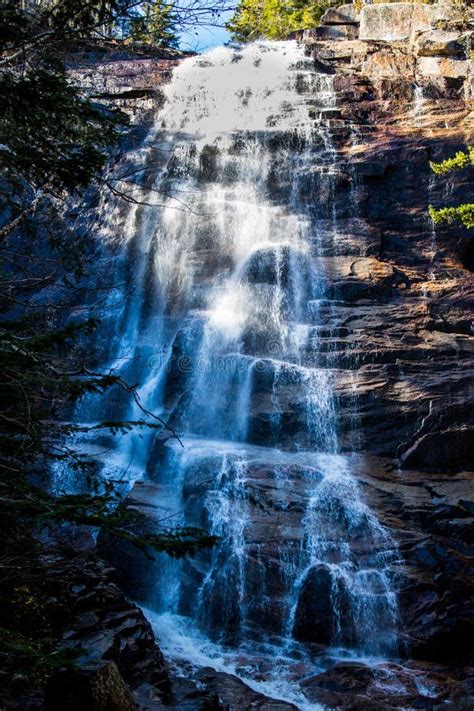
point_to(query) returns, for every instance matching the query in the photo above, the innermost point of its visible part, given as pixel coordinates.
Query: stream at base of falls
(225, 321)
(265, 668)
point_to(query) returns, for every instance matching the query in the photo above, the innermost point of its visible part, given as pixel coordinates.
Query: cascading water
(224, 332)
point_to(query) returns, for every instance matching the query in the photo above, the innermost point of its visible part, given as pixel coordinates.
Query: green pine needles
(463, 214)
(275, 19)
(155, 24)
(462, 159)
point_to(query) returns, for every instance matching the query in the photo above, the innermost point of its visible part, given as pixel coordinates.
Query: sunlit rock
(342, 15)
(393, 21)
(441, 43)
(443, 67)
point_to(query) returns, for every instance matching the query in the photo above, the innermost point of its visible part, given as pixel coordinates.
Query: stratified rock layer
(405, 289)
(128, 79)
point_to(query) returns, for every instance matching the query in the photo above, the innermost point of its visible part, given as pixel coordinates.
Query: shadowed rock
(95, 688)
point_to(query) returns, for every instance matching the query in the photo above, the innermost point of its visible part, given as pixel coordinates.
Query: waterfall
(225, 331)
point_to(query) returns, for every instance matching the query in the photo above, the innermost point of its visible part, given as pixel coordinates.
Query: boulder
(438, 43)
(443, 67)
(315, 610)
(97, 687)
(337, 32)
(382, 686)
(451, 10)
(342, 15)
(273, 265)
(225, 692)
(393, 21)
(389, 65)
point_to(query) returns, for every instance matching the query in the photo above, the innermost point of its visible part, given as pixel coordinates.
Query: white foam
(182, 643)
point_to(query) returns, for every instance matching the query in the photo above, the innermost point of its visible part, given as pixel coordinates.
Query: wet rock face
(136, 571)
(432, 518)
(393, 333)
(399, 336)
(450, 449)
(349, 685)
(314, 618)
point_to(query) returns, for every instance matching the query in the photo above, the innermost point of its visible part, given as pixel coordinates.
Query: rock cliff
(396, 339)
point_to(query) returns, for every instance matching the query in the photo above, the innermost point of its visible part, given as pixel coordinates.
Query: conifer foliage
(154, 24)
(464, 213)
(275, 19)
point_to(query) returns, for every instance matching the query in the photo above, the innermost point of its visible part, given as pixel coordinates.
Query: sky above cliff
(206, 36)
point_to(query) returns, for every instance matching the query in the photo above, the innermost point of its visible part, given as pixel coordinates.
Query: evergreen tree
(461, 213)
(275, 19)
(155, 24)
